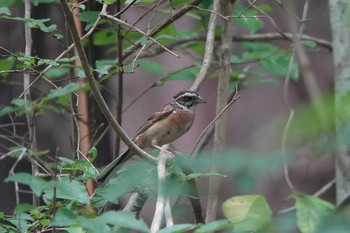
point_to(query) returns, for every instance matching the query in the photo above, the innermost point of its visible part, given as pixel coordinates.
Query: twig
(209, 47)
(89, 33)
(169, 221)
(139, 31)
(95, 90)
(291, 114)
(234, 99)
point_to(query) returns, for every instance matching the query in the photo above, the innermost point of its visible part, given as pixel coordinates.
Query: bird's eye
(188, 98)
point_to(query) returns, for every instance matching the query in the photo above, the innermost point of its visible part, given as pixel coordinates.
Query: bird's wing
(163, 113)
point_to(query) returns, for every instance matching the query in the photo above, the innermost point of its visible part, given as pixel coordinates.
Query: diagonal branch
(96, 92)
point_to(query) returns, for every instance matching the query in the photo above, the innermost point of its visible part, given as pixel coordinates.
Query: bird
(165, 126)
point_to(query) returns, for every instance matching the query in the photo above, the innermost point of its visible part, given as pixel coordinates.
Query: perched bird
(163, 127)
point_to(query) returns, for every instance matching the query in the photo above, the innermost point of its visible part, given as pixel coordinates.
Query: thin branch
(209, 47)
(95, 90)
(105, 15)
(204, 132)
(286, 99)
(89, 33)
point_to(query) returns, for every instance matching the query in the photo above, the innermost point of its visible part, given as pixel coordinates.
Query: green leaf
(56, 72)
(125, 220)
(248, 213)
(214, 226)
(36, 184)
(88, 16)
(178, 228)
(279, 65)
(5, 10)
(248, 21)
(151, 66)
(199, 175)
(187, 73)
(58, 92)
(37, 2)
(64, 217)
(6, 64)
(94, 152)
(311, 212)
(309, 43)
(102, 38)
(23, 207)
(68, 189)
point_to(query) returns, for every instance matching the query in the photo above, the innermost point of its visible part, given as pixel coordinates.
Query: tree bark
(340, 25)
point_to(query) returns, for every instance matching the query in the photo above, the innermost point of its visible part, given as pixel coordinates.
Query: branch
(235, 97)
(209, 47)
(221, 123)
(96, 92)
(161, 199)
(105, 15)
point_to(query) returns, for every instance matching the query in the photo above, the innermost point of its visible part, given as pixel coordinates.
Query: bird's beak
(200, 100)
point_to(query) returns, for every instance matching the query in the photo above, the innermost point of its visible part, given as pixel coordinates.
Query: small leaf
(248, 213)
(309, 43)
(311, 212)
(151, 66)
(5, 11)
(199, 175)
(94, 152)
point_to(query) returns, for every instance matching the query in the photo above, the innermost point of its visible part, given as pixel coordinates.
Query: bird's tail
(108, 172)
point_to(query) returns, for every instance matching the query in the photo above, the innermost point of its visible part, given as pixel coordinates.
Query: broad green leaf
(102, 38)
(187, 73)
(6, 64)
(151, 66)
(125, 220)
(88, 16)
(58, 92)
(64, 217)
(68, 189)
(36, 184)
(279, 65)
(248, 213)
(56, 72)
(178, 228)
(214, 226)
(23, 207)
(311, 212)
